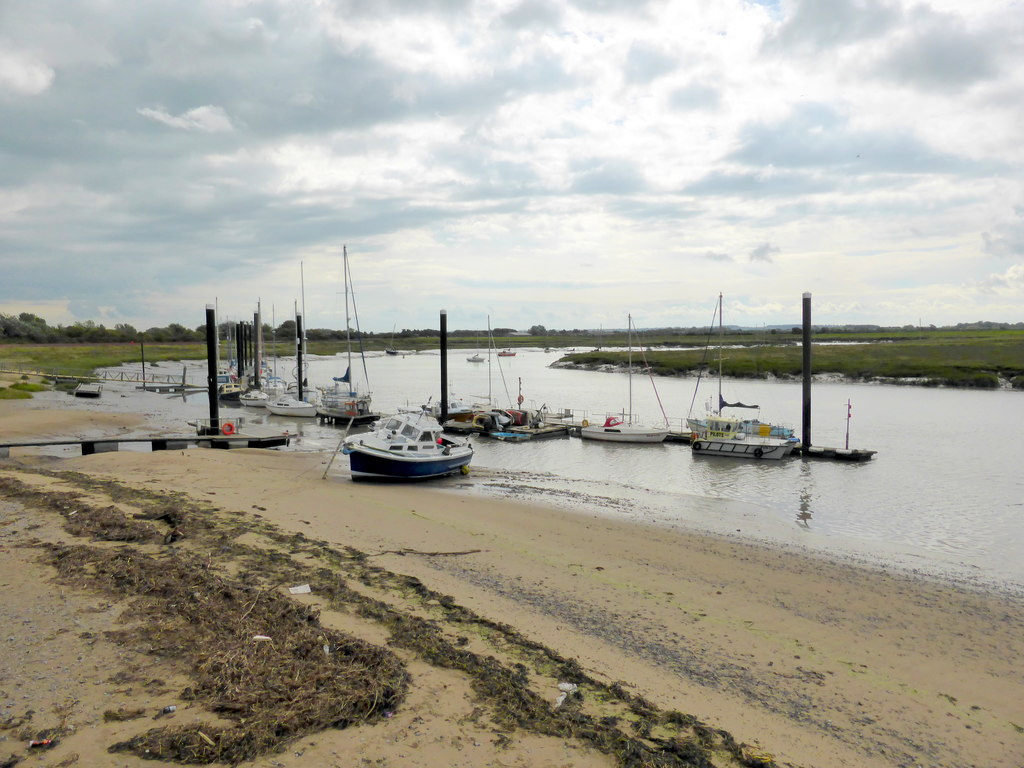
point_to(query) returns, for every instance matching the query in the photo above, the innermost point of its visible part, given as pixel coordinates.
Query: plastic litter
(302, 589)
(168, 709)
(568, 687)
(263, 638)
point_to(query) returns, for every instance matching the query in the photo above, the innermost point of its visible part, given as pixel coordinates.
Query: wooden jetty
(159, 443)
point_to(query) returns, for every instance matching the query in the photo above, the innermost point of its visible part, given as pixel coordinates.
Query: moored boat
(616, 430)
(406, 446)
(289, 405)
(254, 398)
(506, 353)
(724, 436)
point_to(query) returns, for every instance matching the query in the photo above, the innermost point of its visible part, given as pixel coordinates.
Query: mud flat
(137, 581)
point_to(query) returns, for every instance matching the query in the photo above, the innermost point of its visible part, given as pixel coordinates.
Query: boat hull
(739, 449)
(370, 463)
(622, 435)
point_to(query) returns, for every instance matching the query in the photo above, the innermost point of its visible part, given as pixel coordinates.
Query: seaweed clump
(256, 658)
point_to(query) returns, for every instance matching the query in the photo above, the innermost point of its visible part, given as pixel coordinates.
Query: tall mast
(721, 338)
(629, 369)
(348, 337)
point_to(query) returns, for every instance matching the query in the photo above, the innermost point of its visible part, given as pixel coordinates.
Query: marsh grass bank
(987, 361)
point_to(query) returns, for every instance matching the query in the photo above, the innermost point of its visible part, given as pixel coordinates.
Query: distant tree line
(27, 328)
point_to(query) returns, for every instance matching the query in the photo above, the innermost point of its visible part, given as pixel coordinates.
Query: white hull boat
(254, 398)
(407, 446)
(615, 430)
(287, 405)
(724, 436)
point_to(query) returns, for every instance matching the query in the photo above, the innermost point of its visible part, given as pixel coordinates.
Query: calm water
(944, 494)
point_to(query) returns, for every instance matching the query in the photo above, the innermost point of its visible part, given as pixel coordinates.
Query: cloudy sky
(560, 162)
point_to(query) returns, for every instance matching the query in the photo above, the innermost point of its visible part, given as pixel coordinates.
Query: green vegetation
(979, 358)
(14, 394)
(961, 359)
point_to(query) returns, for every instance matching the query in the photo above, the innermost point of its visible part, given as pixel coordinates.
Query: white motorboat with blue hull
(406, 446)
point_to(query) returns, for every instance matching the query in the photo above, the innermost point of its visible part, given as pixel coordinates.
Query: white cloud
(23, 74)
(209, 119)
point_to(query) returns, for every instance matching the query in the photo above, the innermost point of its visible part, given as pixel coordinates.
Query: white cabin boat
(724, 436)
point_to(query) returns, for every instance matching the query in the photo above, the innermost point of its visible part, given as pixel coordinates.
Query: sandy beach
(762, 655)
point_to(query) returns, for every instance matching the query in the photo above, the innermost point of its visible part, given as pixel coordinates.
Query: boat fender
(758, 452)
(228, 428)
(693, 436)
(697, 446)
(464, 469)
(585, 423)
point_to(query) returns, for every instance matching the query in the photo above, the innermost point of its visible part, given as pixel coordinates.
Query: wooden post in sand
(807, 373)
(444, 366)
(211, 367)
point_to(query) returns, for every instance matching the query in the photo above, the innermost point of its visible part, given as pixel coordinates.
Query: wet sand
(818, 662)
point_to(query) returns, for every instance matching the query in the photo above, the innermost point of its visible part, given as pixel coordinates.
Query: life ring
(758, 452)
(697, 446)
(228, 428)
(585, 423)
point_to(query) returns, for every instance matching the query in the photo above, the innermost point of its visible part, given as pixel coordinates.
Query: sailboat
(343, 402)
(624, 430)
(390, 349)
(730, 436)
(297, 405)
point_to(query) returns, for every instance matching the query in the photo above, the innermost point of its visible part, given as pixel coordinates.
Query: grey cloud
(1007, 241)
(616, 177)
(764, 252)
(815, 135)
(940, 53)
(695, 96)
(815, 25)
(533, 14)
(713, 256)
(644, 64)
(760, 185)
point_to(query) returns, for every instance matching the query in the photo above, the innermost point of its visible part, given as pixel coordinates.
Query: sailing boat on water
(343, 401)
(722, 435)
(625, 430)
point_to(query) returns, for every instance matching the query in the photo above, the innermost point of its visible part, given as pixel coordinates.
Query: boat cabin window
(426, 437)
(394, 425)
(409, 431)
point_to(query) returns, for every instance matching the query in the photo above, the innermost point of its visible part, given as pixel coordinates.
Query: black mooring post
(444, 366)
(807, 372)
(298, 351)
(257, 348)
(247, 346)
(239, 352)
(211, 368)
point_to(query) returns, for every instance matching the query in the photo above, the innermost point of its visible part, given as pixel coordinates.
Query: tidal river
(944, 495)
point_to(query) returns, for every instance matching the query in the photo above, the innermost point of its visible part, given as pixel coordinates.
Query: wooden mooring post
(807, 449)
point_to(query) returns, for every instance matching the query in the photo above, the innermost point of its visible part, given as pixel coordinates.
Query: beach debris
(262, 638)
(567, 689)
(302, 589)
(43, 743)
(169, 709)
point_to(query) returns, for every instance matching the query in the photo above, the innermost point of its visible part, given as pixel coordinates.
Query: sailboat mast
(629, 369)
(721, 338)
(348, 336)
